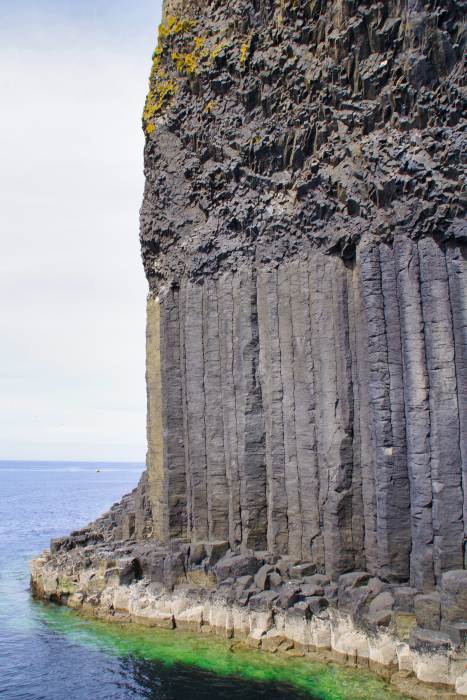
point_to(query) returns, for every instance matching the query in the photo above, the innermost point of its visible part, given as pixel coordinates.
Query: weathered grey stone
(263, 601)
(301, 610)
(429, 640)
(217, 480)
(285, 563)
(379, 618)
(382, 601)
(174, 479)
(456, 267)
(197, 553)
(317, 604)
(272, 397)
(236, 566)
(310, 589)
(152, 564)
(244, 582)
(357, 599)
(229, 403)
(275, 580)
(289, 595)
(454, 596)
(301, 570)
(332, 592)
(174, 569)
(262, 576)
(129, 570)
(215, 551)
(404, 598)
(351, 580)
(416, 394)
(317, 579)
(428, 610)
(446, 470)
(457, 633)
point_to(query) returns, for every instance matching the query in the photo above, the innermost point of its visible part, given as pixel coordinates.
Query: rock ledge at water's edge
(278, 604)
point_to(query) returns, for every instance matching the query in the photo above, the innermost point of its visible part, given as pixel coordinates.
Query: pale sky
(73, 77)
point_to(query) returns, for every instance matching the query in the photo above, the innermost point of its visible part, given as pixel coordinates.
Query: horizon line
(73, 461)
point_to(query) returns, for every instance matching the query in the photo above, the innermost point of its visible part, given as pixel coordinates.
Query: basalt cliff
(304, 241)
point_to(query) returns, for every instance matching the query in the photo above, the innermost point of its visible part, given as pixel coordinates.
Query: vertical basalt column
(272, 398)
(217, 486)
(363, 440)
(399, 480)
(417, 413)
(228, 399)
(172, 415)
(333, 381)
(358, 510)
(195, 411)
(456, 266)
(343, 477)
(305, 414)
(184, 408)
(250, 415)
(316, 410)
(166, 453)
(445, 456)
(292, 477)
(155, 456)
(392, 493)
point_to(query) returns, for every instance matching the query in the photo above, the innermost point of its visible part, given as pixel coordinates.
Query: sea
(48, 652)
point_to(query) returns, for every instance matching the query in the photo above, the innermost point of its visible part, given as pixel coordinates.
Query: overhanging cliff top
(273, 127)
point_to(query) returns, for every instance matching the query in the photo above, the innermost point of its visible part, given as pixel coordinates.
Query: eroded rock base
(278, 604)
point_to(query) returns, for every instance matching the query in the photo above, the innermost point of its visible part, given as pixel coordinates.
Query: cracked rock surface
(302, 124)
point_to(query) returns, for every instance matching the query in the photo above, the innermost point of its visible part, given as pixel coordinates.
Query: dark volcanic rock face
(278, 127)
(316, 410)
(303, 238)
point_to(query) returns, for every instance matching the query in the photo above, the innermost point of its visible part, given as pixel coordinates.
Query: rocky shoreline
(278, 604)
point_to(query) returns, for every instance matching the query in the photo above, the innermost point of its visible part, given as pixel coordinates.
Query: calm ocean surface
(50, 653)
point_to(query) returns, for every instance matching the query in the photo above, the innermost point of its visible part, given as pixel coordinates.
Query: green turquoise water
(51, 653)
(221, 658)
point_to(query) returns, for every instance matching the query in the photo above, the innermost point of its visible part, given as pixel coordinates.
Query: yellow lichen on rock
(160, 95)
(188, 62)
(245, 51)
(215, 51)
(209, 107)
(173, 26)
(162, 88)
(185, 62)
